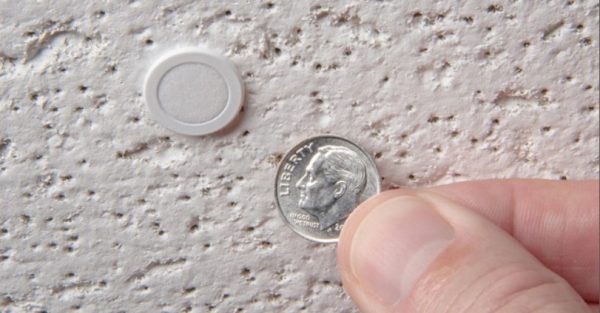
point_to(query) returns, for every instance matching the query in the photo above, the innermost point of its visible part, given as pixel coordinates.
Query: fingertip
(349, 282)
(359, 214)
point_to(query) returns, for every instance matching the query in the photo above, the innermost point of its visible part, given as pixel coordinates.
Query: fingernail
(395, 244)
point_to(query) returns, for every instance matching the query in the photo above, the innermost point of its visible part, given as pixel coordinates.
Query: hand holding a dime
(488, 246)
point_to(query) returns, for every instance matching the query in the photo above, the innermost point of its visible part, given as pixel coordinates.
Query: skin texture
(517, 246)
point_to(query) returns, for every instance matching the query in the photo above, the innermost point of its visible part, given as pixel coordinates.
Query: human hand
(487, 246)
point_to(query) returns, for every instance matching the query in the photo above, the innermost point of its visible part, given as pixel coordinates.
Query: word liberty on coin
(320, 182)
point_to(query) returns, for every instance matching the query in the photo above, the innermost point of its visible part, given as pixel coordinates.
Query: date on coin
(320, 182)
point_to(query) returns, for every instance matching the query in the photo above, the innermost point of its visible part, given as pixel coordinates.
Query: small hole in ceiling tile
(184, 197)
(494, 8)
(193, 226)
(433, 119)
(111, 68)
(586, 41)
(590, 108)
(265, 244)
(66, 177)
(25, 219)
(189, 289)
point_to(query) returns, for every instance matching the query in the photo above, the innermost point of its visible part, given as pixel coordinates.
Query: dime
(320, 182)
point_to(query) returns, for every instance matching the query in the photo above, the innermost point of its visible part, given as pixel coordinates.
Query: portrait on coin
(330, 188)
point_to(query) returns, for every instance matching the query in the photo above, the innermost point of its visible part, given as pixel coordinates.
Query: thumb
(420, 252)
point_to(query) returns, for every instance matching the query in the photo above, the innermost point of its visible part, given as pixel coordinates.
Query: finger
(557, 221)
(426, 253)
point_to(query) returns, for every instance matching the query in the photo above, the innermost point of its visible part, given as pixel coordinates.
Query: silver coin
(320, 182)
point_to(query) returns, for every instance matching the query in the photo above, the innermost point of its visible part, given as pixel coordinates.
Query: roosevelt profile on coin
(331, 185)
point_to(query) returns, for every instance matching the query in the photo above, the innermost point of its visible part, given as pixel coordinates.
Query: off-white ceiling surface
(102, 209)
